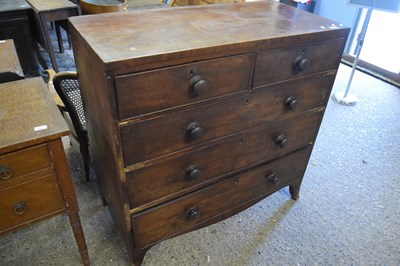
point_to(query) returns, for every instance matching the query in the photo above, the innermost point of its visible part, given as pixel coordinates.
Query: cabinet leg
(79, 237)
(137, 257)
(294, 190)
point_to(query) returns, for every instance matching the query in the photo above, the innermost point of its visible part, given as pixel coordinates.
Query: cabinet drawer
(172, 218)
(177, 86)
(293, 62)
(29, 201)
(172, 132)
(20, 163)
(178, 175)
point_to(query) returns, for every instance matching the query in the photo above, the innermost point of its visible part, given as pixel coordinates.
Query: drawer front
(177, 86)
(172, 218)
(178, 175)
(29, 201)
(20, 163)
(284, 64)
(166, 134)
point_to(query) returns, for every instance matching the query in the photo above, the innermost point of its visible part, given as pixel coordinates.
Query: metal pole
(347, 98)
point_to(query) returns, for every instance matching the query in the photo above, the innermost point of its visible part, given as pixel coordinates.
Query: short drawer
(173, 87)
(166, 134)
(21, 163)
(180, 174)
(175, 217)
(284, 64)
(29, 201)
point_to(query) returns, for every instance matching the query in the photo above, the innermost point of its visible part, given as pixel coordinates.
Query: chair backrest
(102, 6)
(67, 86)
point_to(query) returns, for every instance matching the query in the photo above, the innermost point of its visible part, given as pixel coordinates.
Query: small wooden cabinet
(192, 125)
(16, 20)
(35, 183)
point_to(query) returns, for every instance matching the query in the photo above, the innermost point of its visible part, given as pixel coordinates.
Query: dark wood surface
(10, 68)
(170, 178)
(152, 162)
(167, 134)
(16, 18)
(203, 79)
(35, 183)
(198, 32)
(46, 11)
(172, 218)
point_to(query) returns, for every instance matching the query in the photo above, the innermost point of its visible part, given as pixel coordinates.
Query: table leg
(79, 236)
(59, 37)
(49, 47)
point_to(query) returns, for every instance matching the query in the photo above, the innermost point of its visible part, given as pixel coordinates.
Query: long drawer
(261, 144)
(162, 135)
(29, 201)
(15, 165)
(294, 62)
(173, 87)
(172, 218)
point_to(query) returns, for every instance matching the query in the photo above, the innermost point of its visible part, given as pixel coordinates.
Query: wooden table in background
(51, 11)
(10, 68)
(35, 183)
(16, 17)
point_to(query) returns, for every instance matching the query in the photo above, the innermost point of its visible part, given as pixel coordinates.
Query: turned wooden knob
(193, 172)
(281, 141)
(272, 178)
(192, 213)
(5, 172)
(291, 102)
(198, 85)
(194, 130)
(301, 63)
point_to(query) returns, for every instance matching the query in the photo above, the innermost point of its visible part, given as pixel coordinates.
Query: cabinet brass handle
(19, 208)
(5, 172)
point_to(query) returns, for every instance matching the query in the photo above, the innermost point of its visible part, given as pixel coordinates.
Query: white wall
(337, 10)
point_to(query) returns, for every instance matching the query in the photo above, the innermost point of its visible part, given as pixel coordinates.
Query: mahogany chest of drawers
(193, 123)
(34, 178)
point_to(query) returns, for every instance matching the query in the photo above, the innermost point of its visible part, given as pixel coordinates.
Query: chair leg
(86, 159)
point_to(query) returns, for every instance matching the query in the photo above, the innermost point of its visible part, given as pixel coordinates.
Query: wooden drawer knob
(198, 85)
(19, 208)
(5, 172)
(192, 213)
(194, 130)
(291, 102)
(281, 141)
(301, 63)
(193, 172)
(272, 178)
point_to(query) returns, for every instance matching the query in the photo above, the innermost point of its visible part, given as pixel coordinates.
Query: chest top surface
(28, 115)
(165, 34)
